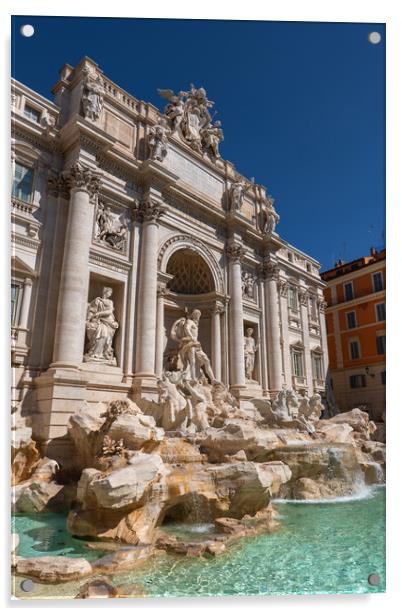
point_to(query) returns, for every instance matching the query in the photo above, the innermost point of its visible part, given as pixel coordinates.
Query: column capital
(283, 287)
(28, 282)
(149, 210)
(57, 186)
(303, 297)
(81, 177)
(218, 307)
(268, 270)
(235, 252)
(161, 289)
(322, 305)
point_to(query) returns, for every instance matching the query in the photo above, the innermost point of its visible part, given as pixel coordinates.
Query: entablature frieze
(108, 262)
(28, 242)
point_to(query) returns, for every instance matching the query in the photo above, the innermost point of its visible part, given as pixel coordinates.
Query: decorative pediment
(19, 267)
(318, 350)
(297, 346)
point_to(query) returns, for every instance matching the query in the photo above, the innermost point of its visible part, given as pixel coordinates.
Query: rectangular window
(15, 292)
(381, 345)
(317, 367)
(348, 291)
(351, 319)
(383, 378)
(357, 380)
(22, 183)
(380, 310)
(32, 113)
(297, 363)
(377, 282)
(293, 298)
(354, 349)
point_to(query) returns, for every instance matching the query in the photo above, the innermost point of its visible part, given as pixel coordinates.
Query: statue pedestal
(249, 391)
(61, 392)
(145, 386)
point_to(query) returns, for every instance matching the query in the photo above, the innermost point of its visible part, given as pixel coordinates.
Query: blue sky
(302, 106)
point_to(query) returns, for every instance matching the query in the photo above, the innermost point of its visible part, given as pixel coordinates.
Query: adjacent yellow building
(355, 318)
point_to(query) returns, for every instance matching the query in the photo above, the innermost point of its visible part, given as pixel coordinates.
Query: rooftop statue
(269, 217)
(92, 96)
(158, 139)
(188, 115)
(237, 191)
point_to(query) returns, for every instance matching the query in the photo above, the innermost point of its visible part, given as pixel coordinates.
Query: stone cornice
(38, 139)
(25, 241)
(109, 262)
(23, 207)
(370, 297)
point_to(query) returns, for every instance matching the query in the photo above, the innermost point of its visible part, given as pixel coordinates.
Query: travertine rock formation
(24, 453)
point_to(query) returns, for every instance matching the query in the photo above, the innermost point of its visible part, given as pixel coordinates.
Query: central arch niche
(191, 274)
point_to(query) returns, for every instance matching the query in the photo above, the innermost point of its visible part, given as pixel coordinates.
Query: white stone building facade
(110, 193)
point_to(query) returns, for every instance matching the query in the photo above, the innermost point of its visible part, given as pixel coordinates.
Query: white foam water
(365, 492)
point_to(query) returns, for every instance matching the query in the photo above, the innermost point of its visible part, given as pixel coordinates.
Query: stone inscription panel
(195, 175)
(119, 129)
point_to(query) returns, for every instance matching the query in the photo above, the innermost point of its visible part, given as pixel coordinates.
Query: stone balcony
(299, 381)
(319, 384)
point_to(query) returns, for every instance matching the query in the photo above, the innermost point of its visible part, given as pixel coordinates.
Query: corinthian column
(149, 212)
(26, 302)
(73, 294)
(160, 331)
(270, 273)
(322, 305)
(235, 253)
(216, 354)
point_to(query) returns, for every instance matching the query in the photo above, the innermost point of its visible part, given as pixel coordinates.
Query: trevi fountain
(172, 429)
(193, 486)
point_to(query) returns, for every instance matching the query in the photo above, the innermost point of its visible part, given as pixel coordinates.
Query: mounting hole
(374, 38)
(26, 585)
(27, 30)
(374, 579)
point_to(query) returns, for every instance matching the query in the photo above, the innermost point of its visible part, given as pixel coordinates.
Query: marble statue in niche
(101, 326)
(111, 228)
(158, 140)
(194, 360)
(250, 349)
(92, 96)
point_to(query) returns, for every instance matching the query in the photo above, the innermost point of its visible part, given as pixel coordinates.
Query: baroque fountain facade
(169, 347)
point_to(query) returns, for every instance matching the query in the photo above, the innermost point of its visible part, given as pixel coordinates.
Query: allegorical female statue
(101, 327)
(250, 349)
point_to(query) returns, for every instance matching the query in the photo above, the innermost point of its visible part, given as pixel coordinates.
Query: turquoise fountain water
(320, 548)
(45, 534)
